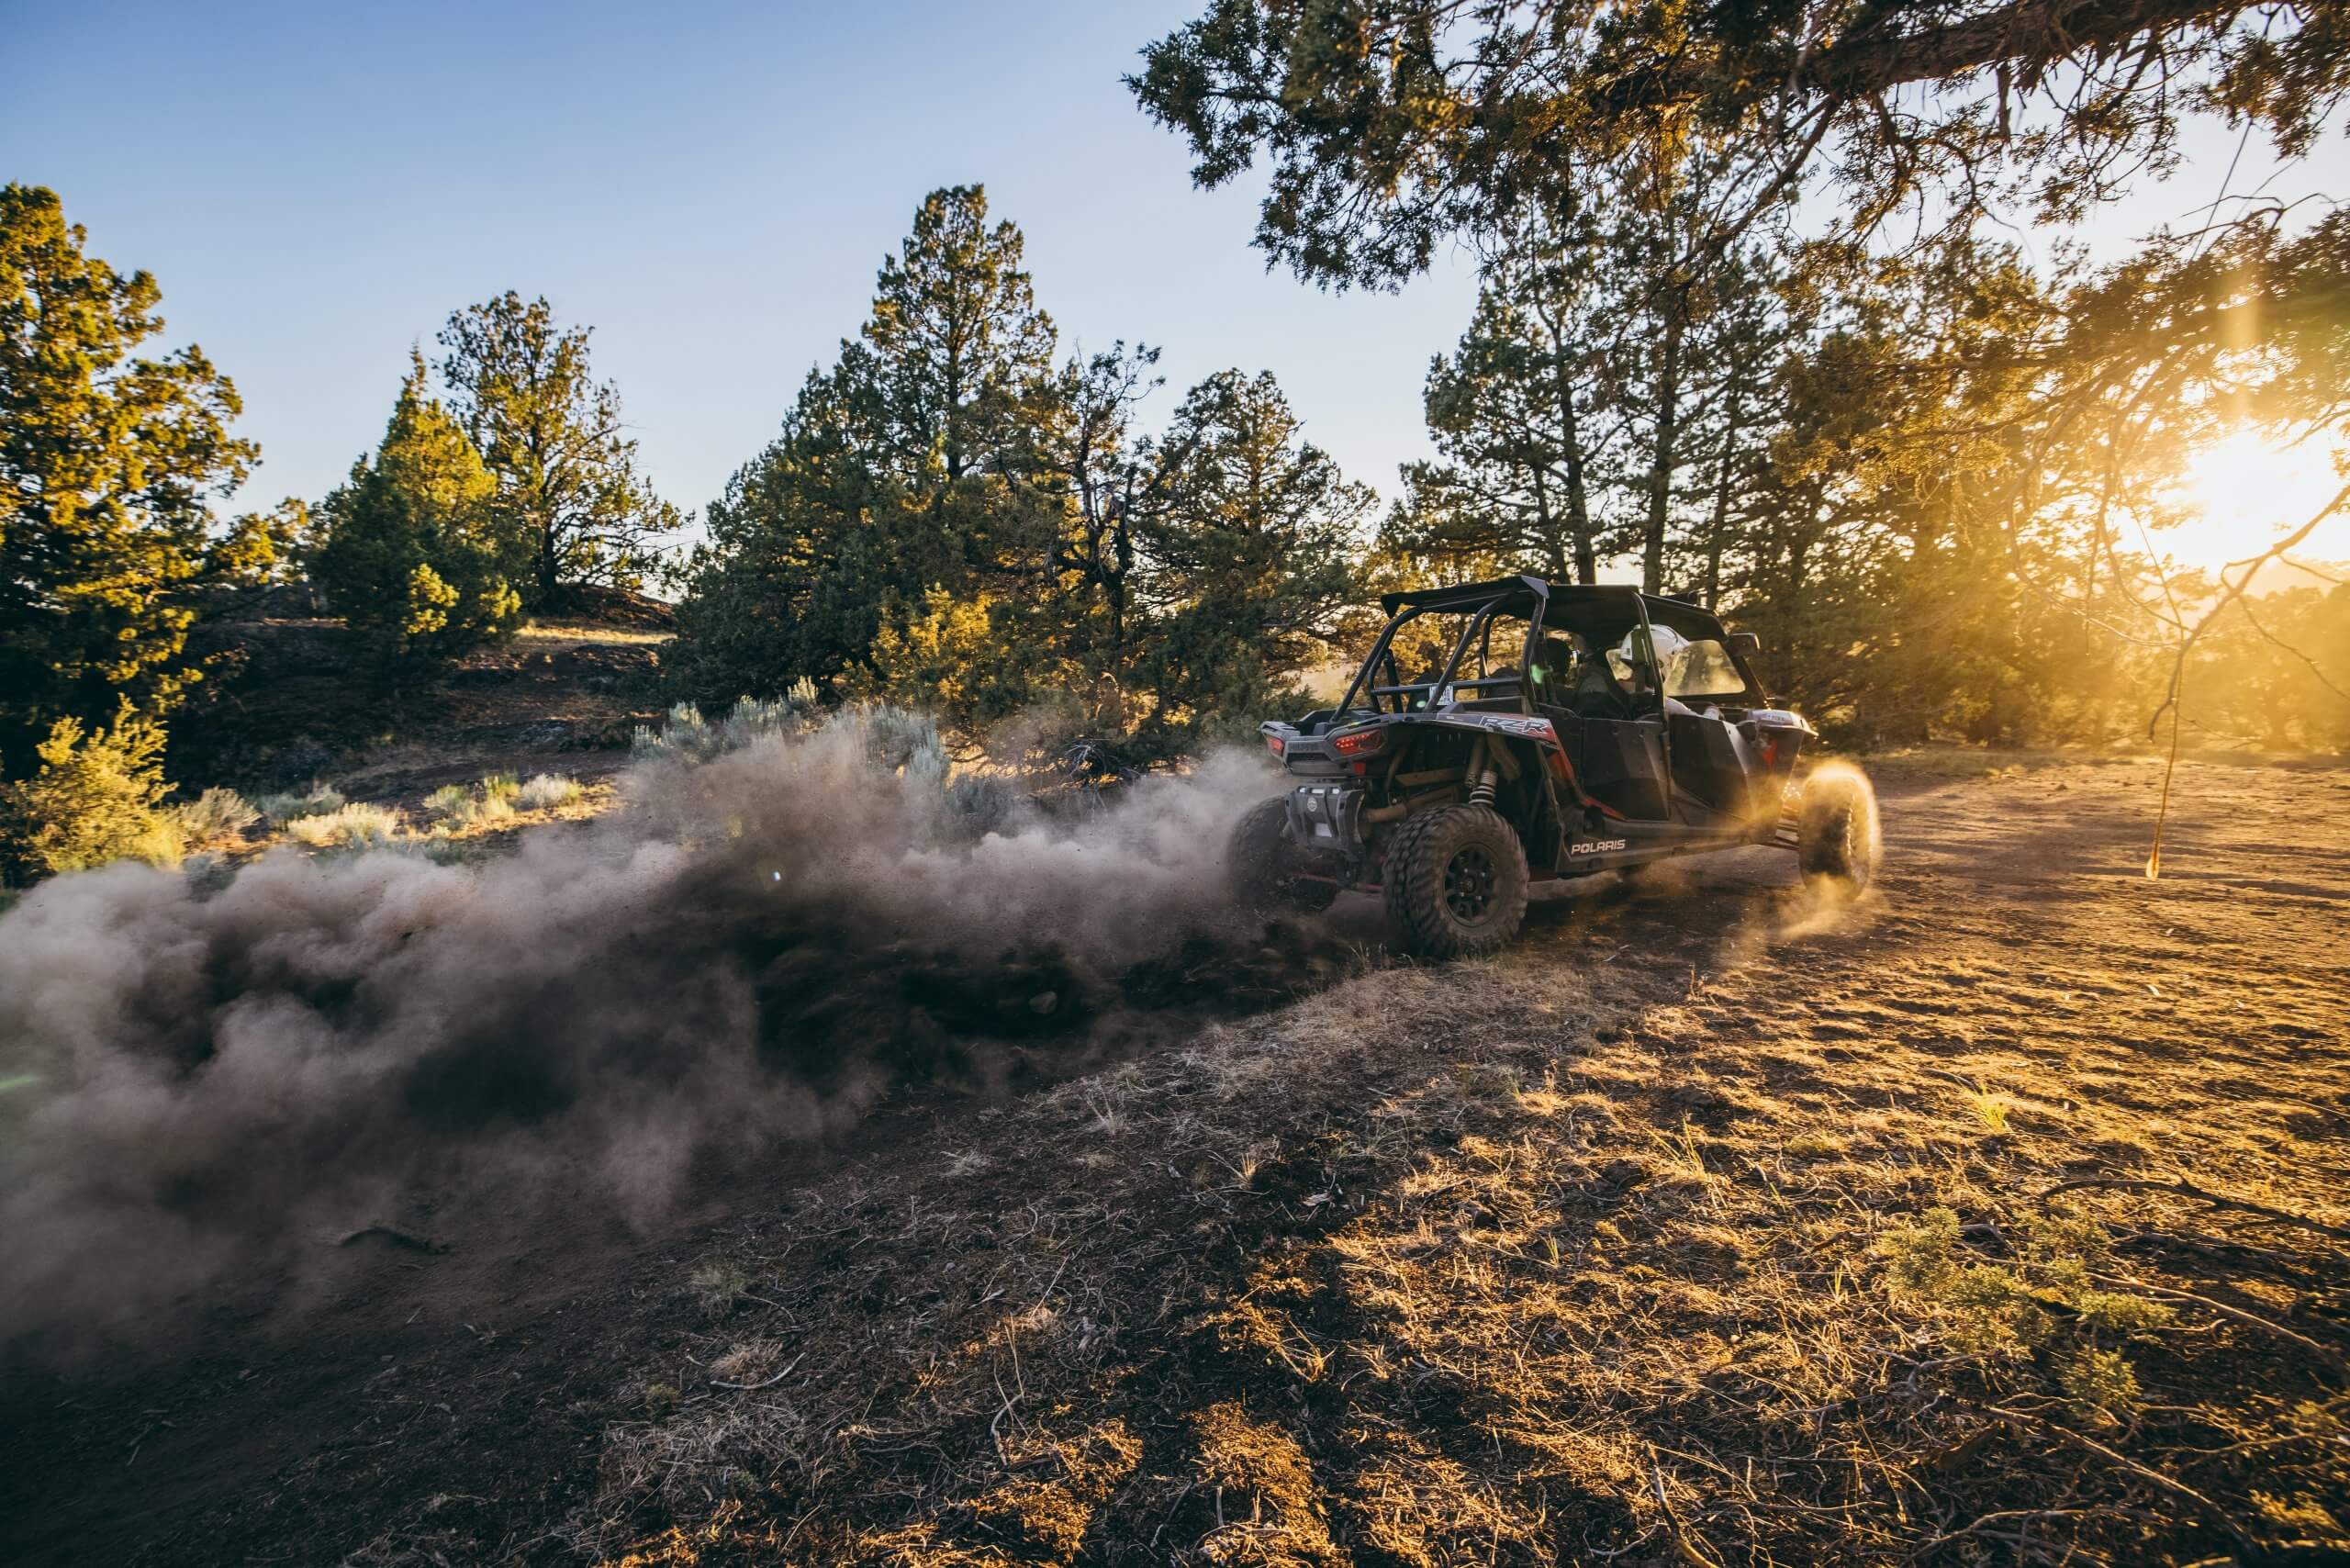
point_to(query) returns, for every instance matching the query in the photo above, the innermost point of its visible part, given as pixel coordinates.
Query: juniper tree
(957, 342)
(409, 550)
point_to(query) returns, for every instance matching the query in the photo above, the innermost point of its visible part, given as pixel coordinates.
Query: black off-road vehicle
(1552, 730)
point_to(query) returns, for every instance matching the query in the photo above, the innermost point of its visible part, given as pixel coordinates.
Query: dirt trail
(1497, 1263)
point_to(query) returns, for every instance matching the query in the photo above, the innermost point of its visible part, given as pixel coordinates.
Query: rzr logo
(1597, 846)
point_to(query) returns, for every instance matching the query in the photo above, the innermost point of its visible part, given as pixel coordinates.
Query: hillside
(1628, 1243)
(287, 705)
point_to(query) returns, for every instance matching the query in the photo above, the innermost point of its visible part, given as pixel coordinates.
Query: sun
(2244, 492)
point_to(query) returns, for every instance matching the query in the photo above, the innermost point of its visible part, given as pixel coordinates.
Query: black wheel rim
(1469, 884)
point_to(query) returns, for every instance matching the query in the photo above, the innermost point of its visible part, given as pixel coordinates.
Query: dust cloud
(751, 951)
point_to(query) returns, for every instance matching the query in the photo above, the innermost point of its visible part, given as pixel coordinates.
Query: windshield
(1701, 669)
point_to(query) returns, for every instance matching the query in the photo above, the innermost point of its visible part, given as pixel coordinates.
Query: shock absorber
(1480, 791)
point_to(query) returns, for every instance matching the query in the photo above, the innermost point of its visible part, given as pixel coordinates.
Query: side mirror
(1746, 644)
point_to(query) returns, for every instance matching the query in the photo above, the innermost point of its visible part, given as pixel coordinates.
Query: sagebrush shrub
(500, 786)
(548, 790)
(216, 813)
(97, 798)
(686, 736)
(279, 809)
(905, 742)
(347, 827)
(450, 803)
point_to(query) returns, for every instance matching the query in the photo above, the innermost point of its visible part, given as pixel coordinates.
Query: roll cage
(1487, 602)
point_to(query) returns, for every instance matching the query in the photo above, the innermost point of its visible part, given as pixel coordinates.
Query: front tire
(1456, 881)
(1836, 829)
(1265, 865)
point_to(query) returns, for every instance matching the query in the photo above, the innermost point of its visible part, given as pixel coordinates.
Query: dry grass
(570, 631)
(1560, 1256)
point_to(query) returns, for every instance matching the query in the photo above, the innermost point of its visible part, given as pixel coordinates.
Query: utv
(1552, 730)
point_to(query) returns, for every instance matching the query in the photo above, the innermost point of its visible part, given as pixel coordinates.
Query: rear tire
(1836, 829)
(1456, 881)
(1265, 865)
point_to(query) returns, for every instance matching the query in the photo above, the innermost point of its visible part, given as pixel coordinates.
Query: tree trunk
(1578, 498)
(1721, 523)
(1668, 432)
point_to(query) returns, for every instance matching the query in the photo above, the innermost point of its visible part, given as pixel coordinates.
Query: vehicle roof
(1665, 608)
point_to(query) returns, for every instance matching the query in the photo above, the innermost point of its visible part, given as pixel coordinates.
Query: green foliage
(1928, 473)
(955, 343)
(1391, 125)
(106, 463)
(97, 798)
(1516, 412)
(901, 470)
(2005, 1310)
(453, 808)
(571, 509)
(1248, 556)
(902, 743)
(2100, 1383)
(950, 523)
(408, 550)
(448, 802)
(809, 540)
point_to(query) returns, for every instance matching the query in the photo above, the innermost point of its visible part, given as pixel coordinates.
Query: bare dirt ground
(1711, 1225)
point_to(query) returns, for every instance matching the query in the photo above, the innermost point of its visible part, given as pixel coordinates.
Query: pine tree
(911, 467)
(1519, 415)
(957, 342)
(574, 509)
(1252, 554)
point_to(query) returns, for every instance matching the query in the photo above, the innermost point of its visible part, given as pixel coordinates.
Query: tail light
(1361, 743)
(1273, 742)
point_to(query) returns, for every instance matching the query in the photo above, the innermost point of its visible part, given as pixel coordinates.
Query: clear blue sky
(711, 187)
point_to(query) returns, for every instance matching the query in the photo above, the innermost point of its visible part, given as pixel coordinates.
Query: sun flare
(2243, 492)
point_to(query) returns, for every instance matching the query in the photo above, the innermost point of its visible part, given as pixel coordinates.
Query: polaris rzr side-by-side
(1548, 731)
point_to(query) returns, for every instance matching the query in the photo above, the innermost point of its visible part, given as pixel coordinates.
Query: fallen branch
(2186, 1189)
(769, 1382)
(2028, 1423)
(2002, 1517)
(1688, 1551)
(2326, 1354)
